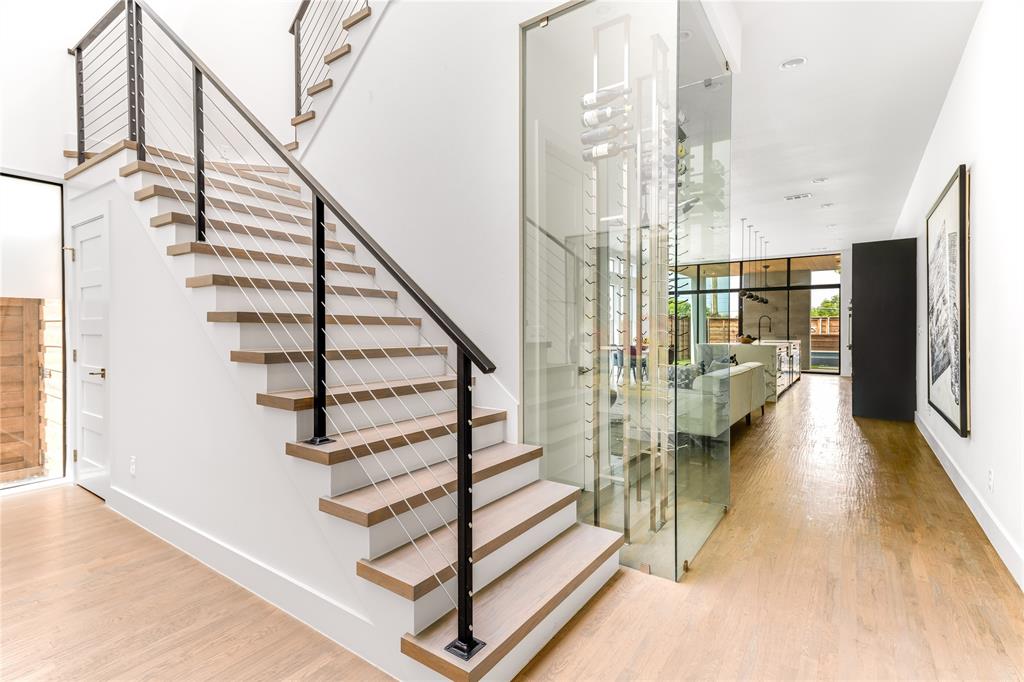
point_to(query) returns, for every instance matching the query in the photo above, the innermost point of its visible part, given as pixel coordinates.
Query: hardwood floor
(87, 595)
(847, 553)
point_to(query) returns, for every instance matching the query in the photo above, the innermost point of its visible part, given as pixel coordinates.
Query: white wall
(236, 38)
(421, 147)
(980, 125)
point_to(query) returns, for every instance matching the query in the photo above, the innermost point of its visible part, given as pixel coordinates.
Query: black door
(884, 329)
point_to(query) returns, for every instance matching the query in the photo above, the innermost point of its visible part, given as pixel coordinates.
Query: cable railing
(319, 32)
(210, 152)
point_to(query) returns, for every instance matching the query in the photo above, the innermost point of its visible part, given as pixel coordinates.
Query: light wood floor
(847, 553)
(87, 595)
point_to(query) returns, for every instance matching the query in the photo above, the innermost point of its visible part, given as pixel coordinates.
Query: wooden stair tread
(302, 399)
(244, 281)
(417, 568)
(182, 174)
(355, 18)
(96, 158)
(371, 505)
(273, 356)
(237, 252)
(325, 84)
(176, 218)
(508, 609)
(302, 118)
(374, 439)
(292, 146)
(167, 154)
(239, 208)
(151, 191)
(250, 316)
(335, 55)
(185, 158)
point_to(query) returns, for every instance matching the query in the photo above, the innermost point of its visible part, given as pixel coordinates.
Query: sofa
(719, 399)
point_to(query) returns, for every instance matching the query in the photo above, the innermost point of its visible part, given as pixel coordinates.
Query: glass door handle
(102, 373)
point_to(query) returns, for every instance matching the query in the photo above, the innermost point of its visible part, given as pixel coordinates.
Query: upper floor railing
(138, 83)
(320, 28)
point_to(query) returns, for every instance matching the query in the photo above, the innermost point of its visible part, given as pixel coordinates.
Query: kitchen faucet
(759, 337)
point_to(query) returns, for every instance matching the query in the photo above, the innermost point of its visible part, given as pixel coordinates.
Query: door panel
(91, 297)
(21, 439)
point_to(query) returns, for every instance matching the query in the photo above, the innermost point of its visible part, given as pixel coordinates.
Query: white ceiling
(859, 112)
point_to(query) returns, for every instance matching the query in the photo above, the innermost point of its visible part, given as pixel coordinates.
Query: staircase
(470, 562)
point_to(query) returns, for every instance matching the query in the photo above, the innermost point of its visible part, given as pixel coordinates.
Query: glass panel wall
(625, 176)
(31, 331)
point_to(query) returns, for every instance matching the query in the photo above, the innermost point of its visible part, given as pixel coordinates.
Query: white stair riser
(387, 535)
(278, 300)
(274, 335)
(437, 602)
(205, 264)
(146, 178)
(286, 376)
(368, 413)
(160, 204)
(356, 473)
(167, 235)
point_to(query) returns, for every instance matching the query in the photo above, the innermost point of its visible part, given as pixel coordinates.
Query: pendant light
(765, 267)
(754, 296)
(743, 238)
(764, 280)
(748, 294)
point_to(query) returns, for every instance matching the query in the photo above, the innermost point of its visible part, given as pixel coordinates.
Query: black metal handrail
(462, 341)
(467, 352)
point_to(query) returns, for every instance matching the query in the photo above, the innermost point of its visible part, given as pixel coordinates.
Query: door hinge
(71, 250)
(74, 455)
(74, 355)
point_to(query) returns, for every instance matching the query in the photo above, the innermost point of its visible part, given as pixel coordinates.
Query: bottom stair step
(509, 609)
(414, 569)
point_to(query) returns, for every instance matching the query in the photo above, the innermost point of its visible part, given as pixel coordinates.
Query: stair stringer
(189, 417)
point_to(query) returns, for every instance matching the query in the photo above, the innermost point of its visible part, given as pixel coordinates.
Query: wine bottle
(603, 151)
(602, 134)
(596, 117)
(604, 96)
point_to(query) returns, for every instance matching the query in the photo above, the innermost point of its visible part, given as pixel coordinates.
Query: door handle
(102, 374)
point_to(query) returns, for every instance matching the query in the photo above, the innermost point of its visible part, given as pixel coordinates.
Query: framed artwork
(947, 231)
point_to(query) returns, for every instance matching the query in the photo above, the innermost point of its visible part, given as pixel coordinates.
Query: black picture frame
(935, 295)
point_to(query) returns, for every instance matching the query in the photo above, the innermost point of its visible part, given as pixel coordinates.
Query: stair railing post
(140, 83)
(80, 104)
(129, 34)
(319, 327)
(199, 157)
(296, 27)
(465, 644)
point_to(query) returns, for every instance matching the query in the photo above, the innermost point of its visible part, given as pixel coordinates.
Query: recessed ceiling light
(794, 197)
(831, 227)
(685, 35)
(794, 63)
(828, 205)
(818, 181)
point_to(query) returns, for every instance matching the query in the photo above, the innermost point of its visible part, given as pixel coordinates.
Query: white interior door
(91, 303)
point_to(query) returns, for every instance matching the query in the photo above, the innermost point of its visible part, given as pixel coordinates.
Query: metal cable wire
(365, 415)
(246, 295)
(184, 197)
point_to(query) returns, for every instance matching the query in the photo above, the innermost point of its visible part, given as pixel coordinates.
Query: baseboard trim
(304, 603)
(1006, 548)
